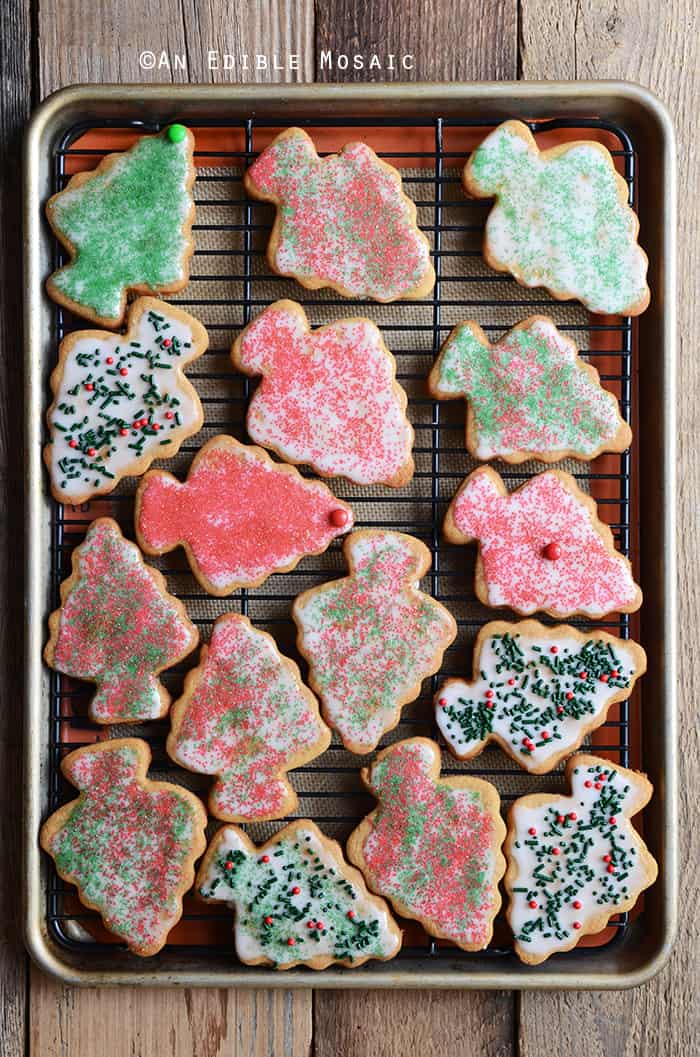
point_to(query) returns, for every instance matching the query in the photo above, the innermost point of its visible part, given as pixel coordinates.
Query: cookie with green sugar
(297, 901)
(530, 396)
(127, 226)
(561, 219)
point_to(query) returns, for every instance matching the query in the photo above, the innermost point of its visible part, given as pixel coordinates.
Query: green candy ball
(176, 133)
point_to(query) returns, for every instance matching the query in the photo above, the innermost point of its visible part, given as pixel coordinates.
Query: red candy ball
(123, 372)
(551, 552)
(338, 517)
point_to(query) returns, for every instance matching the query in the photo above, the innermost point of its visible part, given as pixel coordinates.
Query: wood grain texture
(15, 102)
(449, 40)
(106, 41)
(425, 1023)
(143, 1022)
(659, 46)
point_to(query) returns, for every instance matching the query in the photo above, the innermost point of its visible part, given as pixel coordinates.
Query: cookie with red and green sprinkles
(562, 219)
(537, 691)
(530, 396)
(296, 900)
(575, 861)
(118, 627)
(371, 638)
(240, 516)
(432, 846)
(127, 843)
(121, 401)
(127, 226)
(342, 222)
(246, 717)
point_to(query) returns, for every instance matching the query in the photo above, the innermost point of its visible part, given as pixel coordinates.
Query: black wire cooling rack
(453, 225)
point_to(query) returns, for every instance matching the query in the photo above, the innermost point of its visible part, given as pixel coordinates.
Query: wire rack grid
(230, 284)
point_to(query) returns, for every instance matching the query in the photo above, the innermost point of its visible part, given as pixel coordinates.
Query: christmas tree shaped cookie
(371, 638)
(328, 397)
(530, 395)
(561, 219)
(121, 401)
(127, 226)
(297, 901)
(239, 515)
(246, 717)
(541, 547)
(128, 844)
(537, 691)
(432, 846)
(118, 627)
(574, 861)
(342, 222)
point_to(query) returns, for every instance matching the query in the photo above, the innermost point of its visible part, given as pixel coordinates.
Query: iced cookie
(118, 627)
(121, 401)
(239, 515)
(574, 861)
(342, 221)
(537, 691)
(530, 395)
(541, 547)
(127, 227)
(246, 717)
(297, 902)
(328, 397)
(432, 846)
(371, 638)
(127, 843)
(561, 220)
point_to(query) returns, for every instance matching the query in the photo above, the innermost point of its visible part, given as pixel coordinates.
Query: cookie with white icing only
(541, 547)
(561, 220)
(530, 396)
(574, 861)
(342, 222)
(127, 843)
(239, 516)
(432, 846)
(371, 638)
(328, 397)
(537, 691)
(127, 226)
(118, 627)
(296, 900)
(246, 717)
(121, 401)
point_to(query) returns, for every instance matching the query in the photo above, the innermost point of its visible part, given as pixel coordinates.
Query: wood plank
(659, 46)
(101, 42)
(114, 41)
(449, 40)
(15, 101)
(144, 1022)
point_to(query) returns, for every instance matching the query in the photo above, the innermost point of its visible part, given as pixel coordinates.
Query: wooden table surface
(44, 45)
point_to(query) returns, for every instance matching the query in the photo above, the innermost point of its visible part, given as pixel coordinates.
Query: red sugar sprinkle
(614, 673)
(561, 818)
(123, 372)
(611, 868)
(91, 452)
(588, 783)
(229, 865)
(291, 941)
(320, 925)
(554, 649)
(532, 831)
(613, 821)
(72, 444)
(604, 677)
(560, 709)
(573, 816)
(545, 735)
(533, 904)
(583, 675)
(156, 425)
(167, 342)
(489, 693)
(577, 924)
(268, 920)
(124, 432)
(311, 924)
(442, 702)
(607, 858)
(569, 695)
(109, 359)
(89, 386)
(296, 890)
(265, 858)
(576, 904)
(551, 552)
(169, 414)
(351, 914)
(599, 785)
(511, 682)
(555, 851)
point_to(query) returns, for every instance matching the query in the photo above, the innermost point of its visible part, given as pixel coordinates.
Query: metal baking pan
(429, 124)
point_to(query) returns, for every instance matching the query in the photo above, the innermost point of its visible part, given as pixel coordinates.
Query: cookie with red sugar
(530, 396)
(127, 843)
(296, 900)
(246, 717)
(328, 397)
(371, 638)
(342, 222)
(574, 861)
(239, 516)
(536, 690)
(541, 547)
(118, 627)
(432, 846)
